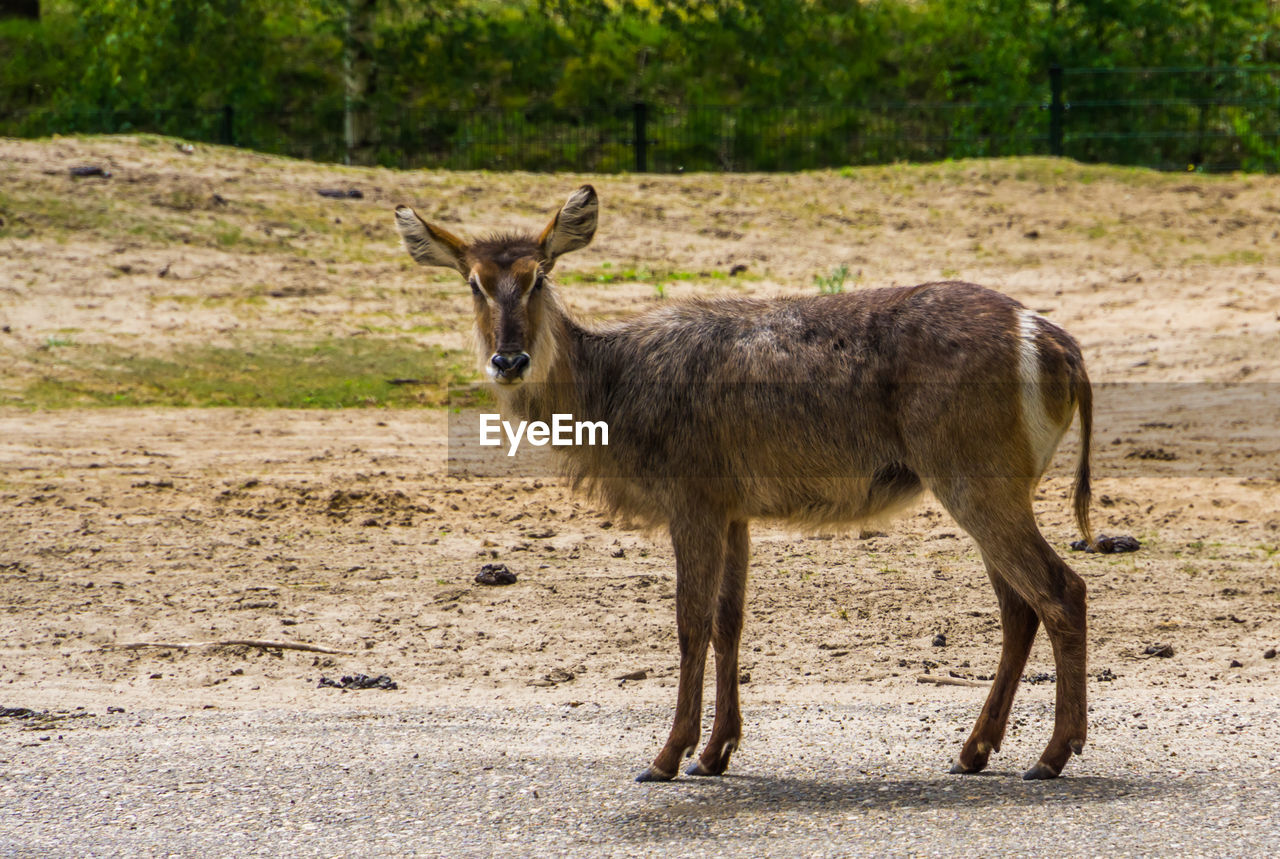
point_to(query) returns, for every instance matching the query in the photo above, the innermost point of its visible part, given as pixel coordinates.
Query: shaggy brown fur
(815, 411)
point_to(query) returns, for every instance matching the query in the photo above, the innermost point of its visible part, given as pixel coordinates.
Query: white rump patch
(1043, 433)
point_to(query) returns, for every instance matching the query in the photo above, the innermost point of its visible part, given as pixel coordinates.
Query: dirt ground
(342, 529)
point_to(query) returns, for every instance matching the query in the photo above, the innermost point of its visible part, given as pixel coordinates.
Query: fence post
(1057, 110)
(640, 115)
(228, 125)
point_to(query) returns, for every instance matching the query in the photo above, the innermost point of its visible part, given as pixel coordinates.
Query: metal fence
(1212, 119)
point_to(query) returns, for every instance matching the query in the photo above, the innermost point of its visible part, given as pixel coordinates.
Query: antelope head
(508, 274)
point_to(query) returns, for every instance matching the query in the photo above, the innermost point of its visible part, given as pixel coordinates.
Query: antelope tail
(1081, 493)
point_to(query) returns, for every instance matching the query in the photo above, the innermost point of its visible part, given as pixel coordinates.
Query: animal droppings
(1105, 545)
(359, 681)
(495, 574)
(18, 713)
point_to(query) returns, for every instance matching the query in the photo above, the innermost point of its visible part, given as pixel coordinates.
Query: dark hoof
(696, 768)
(652, 774)
(1039, 772)
(977, 765)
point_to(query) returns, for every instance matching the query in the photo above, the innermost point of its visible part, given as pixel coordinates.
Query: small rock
(88, 170)
(1236, 663)
(634, 675)
(940, 640)
(1158, 453)
(340, 194)
(495, 574)
(1164, 651)
(737, 269)
(1269, 653)
(552, 679)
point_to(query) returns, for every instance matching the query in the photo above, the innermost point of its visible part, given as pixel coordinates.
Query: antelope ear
(572, 227)
(430, 245)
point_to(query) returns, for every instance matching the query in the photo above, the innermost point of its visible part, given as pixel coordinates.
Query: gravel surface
(1184, 777)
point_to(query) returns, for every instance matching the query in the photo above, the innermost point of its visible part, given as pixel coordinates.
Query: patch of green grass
(227, 235)
(329, 373)
(834, 282)
(606, 273)
(1237, 257)
(27, 215)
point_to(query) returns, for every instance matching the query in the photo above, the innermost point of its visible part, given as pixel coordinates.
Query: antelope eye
(475, 284)
(539, 281)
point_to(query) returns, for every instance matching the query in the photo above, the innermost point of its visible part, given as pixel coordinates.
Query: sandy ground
(343, 529)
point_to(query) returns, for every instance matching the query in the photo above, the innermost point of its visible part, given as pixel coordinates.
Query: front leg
(700, 549)
(726, 733)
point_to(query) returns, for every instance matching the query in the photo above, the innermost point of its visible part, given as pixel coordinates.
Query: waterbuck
(817, 411)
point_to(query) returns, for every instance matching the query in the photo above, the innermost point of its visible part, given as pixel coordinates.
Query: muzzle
(509, 367)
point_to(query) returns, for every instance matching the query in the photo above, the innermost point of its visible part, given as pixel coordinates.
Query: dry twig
(234, 642)
(944, 680)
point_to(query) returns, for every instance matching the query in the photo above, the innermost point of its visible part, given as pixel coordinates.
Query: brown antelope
(819, 411)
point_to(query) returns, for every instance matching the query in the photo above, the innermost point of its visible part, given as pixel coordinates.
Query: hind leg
(726, 733)
(1018, 623)
(997, 514)
(1062, 611)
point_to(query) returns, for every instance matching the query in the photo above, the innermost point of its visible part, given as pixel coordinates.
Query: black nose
(511, 365)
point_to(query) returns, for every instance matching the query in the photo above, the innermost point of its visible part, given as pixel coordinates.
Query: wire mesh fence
(1212, 119)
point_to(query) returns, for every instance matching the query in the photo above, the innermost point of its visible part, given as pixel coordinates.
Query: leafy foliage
(170, 65)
